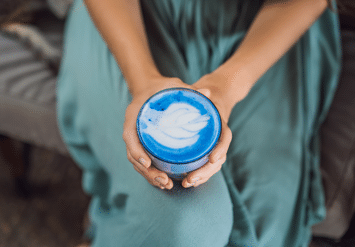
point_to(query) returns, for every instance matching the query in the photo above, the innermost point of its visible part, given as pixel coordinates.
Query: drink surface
(178, 125)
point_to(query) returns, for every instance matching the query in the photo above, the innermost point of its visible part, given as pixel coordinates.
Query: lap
(151, 217)
(265, 169)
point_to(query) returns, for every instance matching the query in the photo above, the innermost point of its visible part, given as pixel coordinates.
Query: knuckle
(224, 158)
(229, 134)
(129, 157)
(125, 135)
(133, 154)
(215, 169)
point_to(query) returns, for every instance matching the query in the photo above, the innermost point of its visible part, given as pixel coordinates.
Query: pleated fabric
(269, 192)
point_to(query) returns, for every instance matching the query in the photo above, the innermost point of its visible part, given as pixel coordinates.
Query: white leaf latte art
(176, 127)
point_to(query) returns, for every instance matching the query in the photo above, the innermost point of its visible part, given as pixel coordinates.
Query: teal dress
(269, 191)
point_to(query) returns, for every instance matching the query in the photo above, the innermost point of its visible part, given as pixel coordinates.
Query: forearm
(277, 26)
(120, 23)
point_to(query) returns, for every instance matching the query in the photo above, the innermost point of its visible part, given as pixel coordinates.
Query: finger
(159, 178)
(143, 175)
(203, 174)
(144, 172)
(135, 148)
(151, 174)
(148, 180)
(169, 185)
(223, 144)
(137, 166)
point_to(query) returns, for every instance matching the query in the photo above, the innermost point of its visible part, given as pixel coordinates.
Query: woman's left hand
(210, 87)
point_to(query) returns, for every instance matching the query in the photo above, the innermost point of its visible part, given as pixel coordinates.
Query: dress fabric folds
(269, 191)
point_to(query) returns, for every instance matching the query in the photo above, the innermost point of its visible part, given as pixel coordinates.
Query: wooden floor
(53, 215)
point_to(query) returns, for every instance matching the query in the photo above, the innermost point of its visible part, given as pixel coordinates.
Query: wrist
(143, 82)
(235, 82)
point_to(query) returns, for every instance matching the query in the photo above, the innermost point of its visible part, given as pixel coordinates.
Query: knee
(203, 227)
(203, 218)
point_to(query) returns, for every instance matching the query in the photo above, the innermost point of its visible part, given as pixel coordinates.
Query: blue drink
(178, 128)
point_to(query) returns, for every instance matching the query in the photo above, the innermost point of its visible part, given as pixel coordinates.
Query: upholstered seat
(27, 90)
(338, 148)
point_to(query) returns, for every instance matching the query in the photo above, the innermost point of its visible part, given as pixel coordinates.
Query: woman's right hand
(135, 151)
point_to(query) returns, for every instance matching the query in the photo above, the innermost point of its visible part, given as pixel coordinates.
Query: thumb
(205, 92)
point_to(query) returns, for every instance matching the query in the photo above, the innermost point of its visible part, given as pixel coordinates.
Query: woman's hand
(135, 151)
(212, 87)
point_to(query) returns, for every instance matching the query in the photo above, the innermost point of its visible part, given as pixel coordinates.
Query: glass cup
(178, 128)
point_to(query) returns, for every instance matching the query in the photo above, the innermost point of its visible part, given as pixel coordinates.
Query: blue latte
(178, 127)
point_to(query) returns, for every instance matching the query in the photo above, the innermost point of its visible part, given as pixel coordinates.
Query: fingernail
(195, 179)
(161, 187)
(188, 185)
(142, 162)
(160, 180)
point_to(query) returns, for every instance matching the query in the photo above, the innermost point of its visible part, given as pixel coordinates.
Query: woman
(270, 67)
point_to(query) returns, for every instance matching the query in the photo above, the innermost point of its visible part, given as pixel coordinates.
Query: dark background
(53, 214)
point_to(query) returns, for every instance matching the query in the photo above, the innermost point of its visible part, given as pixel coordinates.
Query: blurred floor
(53, 215)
